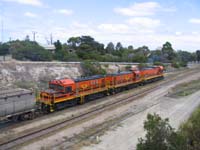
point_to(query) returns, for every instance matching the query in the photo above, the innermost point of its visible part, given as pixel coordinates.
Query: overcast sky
(132, 22)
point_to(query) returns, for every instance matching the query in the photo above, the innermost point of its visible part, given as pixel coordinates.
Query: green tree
(60, 53)
(168, 51)
(58, 46)
(74, 42)
(110, 48)
(198, 55)
(185, 56)
(4, 50)
(160, 135)
(119, 46)
(130, 47)
(27, 38)
(28, 50)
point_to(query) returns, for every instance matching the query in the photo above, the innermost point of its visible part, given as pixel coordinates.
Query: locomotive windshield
(68, 89)
(51, 86)
(56, 87)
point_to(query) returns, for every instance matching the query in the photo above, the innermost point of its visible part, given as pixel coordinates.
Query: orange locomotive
(66, 92)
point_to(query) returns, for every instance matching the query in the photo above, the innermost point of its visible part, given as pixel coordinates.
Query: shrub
(142, 65)
(175, 64)
(92, 68)
(157, 63)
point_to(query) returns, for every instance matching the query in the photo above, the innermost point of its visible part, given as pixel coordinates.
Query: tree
(119, 46)
(28, 50)
(185, 57)
(198, 55)
(60, 53)
(58, 46)
(144, 50)
(130, 47)
(27, 38)
(110, 48)
(4, 50)
(74, 42)
(168, 51)
(160, 135)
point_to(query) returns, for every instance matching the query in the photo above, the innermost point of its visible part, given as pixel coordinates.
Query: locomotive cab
(161, 69)
(66, 86)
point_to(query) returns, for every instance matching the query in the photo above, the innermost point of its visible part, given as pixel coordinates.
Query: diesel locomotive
(66, 92)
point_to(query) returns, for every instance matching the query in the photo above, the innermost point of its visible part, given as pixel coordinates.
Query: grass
(185, 89)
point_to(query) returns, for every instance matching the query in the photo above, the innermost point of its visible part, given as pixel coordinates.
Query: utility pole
(34, 33)
(51, 38)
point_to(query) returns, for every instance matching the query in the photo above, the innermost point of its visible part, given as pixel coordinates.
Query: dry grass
(185, 89)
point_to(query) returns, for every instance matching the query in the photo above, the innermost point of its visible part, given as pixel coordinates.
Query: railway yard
(105, 122)
(99, 75)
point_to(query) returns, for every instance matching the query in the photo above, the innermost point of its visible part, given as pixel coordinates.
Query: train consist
(65, 92)
(21, 104)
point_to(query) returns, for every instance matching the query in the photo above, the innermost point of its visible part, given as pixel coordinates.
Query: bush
(175, 64)
(92, 68)
(191, 130)
(27, 50)
(183, 64)
(142, 65)
(157, 63)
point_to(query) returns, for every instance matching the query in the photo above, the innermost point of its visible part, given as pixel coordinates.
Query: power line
(51, 38)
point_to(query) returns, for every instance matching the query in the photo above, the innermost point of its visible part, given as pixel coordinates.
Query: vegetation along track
(55, 127)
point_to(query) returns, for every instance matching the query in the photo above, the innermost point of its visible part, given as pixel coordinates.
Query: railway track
(30, 136)
(13, 143)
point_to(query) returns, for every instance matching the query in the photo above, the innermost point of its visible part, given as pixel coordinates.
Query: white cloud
(143, 9)
(66, 12)
(77, 24)
(195, 33)
(178, 33)
(195, 20)
(114, 28)
(27, 2)
(144, 22)
(29, 14)
(139, 9)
